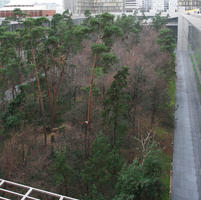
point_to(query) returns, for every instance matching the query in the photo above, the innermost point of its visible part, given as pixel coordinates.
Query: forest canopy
(87, 107)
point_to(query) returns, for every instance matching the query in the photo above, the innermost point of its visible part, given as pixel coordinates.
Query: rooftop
(28, 5)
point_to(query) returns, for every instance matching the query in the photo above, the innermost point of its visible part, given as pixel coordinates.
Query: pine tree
(102, 167)
(10, 60)
(159, 21)
(166, 41)
(116, 102)
(142, 181)
(102, 28)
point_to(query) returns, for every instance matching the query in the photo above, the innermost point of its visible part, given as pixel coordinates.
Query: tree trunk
(57, 93)
(91, 88)
(49, 92)
(115, 133)
(153, 116)
(88, 127)
(39, 92)
(13, 91)
(91, 91)
(20, 67)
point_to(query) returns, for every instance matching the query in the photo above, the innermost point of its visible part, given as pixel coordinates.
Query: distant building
(146, 5)
(99, 6)
(32, 10)
(173, 5)
(131, 5)
(119, 6)
(70, 5)
(158, 5)
(166, 5)
(190, 4)
(3, 3)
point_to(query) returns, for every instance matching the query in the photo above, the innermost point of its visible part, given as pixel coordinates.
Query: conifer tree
(34, 35)
(102, 167)
(9, 60)
(142, 181)
(104, 30)
(115, 103)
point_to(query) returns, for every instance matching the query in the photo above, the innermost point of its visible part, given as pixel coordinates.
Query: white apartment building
(131, 5)
(189, 4)
(158, 5)
(83, 5)
(166, 5)
(173, 5)
(99, 6)
(70, 5)
(146, 5)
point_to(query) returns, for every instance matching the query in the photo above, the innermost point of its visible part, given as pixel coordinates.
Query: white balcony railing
(14, 191)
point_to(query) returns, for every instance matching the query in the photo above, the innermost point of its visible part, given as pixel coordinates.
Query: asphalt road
(186, 182)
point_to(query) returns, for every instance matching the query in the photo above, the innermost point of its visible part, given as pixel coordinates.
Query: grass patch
(161, 132)
(196, 74)
(172, 92)
(192, 60)
(197, 58)
(165, 137)
(167, 160)
(166, 182)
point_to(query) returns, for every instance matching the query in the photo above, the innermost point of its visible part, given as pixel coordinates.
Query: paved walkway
(186, 183)
(194, 20)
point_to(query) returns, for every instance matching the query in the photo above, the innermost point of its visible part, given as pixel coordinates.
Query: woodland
(87, 110)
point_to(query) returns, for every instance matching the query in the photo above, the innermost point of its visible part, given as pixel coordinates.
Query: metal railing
(14, 191)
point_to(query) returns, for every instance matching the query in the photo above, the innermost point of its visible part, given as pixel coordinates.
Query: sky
(50, 1)
(40, 1)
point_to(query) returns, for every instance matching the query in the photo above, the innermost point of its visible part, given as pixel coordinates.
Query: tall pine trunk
(49, 92)
(91, 91)
(115, 133)
(39, 92)
(56, 94)
(20, 65)
(88, 128)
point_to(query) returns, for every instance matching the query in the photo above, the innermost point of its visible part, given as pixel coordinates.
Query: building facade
(173, 5)
(131, 5)
(166, 5)
(31, 10)
(146, 5)
(82, 5)
(190, 4)
(158, 5)
(119, 6)
(99, 6)
(70, 5)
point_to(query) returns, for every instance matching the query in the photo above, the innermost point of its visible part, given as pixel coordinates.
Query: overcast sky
(39, 1)
(50, 1)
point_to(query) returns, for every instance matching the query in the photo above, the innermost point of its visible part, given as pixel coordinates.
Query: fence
(14, 191)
